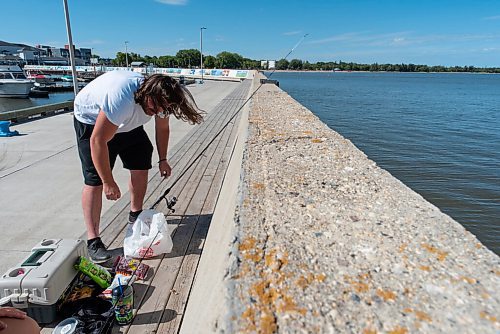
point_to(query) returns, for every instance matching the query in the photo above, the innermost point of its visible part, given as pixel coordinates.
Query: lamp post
(126, 53)
(201, 52)
(71, 49)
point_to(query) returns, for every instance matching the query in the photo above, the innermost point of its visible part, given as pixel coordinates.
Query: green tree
(134, 57)
(209, 62)
(282, 64)
(229, 60)
(374, 67)
(119, 59)
(249, 64)
(295, 64)
(307, 66)
(188, 58)
(167, 61)
(150, 60)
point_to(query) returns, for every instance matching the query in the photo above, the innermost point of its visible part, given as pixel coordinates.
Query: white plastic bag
(148, 237)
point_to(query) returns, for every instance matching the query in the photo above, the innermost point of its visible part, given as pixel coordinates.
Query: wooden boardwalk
(160, 300)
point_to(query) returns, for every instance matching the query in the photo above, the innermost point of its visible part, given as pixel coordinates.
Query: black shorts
(133, 147)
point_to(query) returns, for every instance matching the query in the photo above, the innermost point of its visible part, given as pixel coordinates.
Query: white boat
(13, 82)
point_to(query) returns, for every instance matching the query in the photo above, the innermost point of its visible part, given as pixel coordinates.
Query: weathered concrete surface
(328, 242)
(208, 301)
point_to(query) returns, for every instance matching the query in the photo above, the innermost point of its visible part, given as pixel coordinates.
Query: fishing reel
(171, 203)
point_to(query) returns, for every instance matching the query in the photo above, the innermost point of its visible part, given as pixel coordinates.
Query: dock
(161, 300)
(282, 226)
(197, 194)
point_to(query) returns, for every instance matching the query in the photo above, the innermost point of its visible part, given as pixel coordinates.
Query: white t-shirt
(113, 93)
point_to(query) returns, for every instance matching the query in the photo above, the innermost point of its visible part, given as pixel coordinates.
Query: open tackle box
(43, 278)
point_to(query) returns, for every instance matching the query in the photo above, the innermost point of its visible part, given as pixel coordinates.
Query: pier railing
(45, 110)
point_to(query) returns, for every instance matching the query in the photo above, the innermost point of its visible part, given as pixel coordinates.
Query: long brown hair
(163, 90)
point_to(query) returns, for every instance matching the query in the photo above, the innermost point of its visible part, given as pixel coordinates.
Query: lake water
(437, 133)
(7, 104)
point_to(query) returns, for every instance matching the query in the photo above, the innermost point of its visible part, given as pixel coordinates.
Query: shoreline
(419, 72)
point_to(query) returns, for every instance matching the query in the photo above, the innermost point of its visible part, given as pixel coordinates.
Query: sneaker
(98, 252)
(132, 216)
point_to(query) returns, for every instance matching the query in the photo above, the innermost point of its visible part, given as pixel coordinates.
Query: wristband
(162, 160)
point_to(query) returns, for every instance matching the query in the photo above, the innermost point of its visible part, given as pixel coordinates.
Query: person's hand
(165, 169)
(111, 190)
(10, 312)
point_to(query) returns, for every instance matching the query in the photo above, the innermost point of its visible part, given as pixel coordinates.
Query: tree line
(297, 64)
(191, 58)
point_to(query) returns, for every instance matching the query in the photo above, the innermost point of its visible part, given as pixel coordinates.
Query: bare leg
(17, 326)
(92, 206)
(137, 187)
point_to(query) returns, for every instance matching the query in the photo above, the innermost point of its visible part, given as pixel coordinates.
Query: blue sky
(437, 32)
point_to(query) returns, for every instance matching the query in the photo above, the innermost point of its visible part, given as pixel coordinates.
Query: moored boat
(13, 82)
(67, 78)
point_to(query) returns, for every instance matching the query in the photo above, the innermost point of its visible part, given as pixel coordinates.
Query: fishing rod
(171, 203)
(167, 191)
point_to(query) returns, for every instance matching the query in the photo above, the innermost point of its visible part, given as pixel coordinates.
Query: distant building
(268, 64)
(11, 48)
(9, 59)
(26, 54)
(43, 54)
(46, 49)
(138, 64)
(86, 54)
(106, 61)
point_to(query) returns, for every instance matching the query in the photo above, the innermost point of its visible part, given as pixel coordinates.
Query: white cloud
(402, 39)
(364, 38)
(173, 2)
(291, 33)
(399, 40)
(497, 17)
(337, 38)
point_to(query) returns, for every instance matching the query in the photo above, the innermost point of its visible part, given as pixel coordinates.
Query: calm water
(7, 104)
(438, 133)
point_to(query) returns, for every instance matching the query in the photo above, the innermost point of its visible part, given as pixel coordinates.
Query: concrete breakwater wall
(324, 241)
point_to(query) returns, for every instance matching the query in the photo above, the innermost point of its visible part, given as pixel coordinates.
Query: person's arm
(162, 131)
(103, 132)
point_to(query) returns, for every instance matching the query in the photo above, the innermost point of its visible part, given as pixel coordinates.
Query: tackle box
(43, 278)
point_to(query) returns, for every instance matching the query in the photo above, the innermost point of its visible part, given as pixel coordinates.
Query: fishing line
(167, 191)
(173, 201)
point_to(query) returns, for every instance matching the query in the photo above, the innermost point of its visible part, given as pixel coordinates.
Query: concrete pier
(319, 239)
(307, 236)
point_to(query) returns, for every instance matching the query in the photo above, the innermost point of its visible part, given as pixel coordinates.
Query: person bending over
(109, 114)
